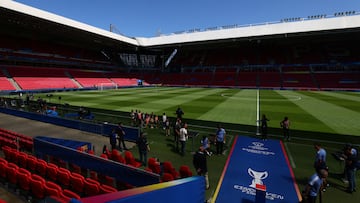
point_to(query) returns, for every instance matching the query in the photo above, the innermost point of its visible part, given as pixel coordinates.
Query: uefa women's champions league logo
(257, 177)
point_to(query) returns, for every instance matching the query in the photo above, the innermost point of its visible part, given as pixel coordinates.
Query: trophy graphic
(257, 177)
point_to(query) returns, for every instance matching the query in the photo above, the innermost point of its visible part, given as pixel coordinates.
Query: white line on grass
(257, 112)
(292, 162)
(229, 144)
(257, 106)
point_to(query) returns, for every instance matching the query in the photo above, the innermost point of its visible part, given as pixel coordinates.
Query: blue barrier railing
(121, 172)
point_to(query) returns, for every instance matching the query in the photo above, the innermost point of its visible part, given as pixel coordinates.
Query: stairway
(314, 81)
(10, 79)
(73, 79)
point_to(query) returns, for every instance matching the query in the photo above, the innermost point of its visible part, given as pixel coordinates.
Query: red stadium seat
(167, 177)
(114, 152)
(3, 160)
(154, 165)
(64, 177)
(31, 163)
(2, 141)
(52, 171)
(148, 169)
(37, 177)
(77, 182)
(110, 181)
(37, 185)
(128, 157)
(62, 164)
(94, 175)
(151, 160)
(52, 189)
(9, 141)
(104, 156)
(185, 171)
(69, 194)
(22, 158)
(7, 151)
(14, 156)
(64, 198)
(27, 145)
(11, 173)
(11, 155)
(107, 189)
(3, 166)
(24, 177)
(130, 160)
(75, 168)
(168, 168)
(92, 187)
(41, 167)
(116, 156)
(107, 152)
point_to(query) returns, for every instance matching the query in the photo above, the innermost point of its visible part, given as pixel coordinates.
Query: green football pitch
(329, 117)
(312, 111)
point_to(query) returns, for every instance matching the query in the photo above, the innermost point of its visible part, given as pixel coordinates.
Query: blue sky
(146, 18)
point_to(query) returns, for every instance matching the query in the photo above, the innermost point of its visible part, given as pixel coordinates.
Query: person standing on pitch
(206, 145)
(264, 127)
(320, 162)
(120, 135)
(144, 148)
(177, 127)
(167, 127)
(350, 169)
(320, 158)
(220, 139)
(113, 137)
(313, 187)
(200, 164)
(285, 125)
(183, 137)
(179, 112)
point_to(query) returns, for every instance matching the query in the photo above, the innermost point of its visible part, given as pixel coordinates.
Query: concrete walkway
(35, 128)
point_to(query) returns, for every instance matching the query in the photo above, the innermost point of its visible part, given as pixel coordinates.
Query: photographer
(313, 187)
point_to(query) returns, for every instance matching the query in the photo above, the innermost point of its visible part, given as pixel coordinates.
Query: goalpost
(107, 86)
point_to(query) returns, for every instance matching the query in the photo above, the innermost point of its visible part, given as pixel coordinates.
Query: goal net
(107, 86)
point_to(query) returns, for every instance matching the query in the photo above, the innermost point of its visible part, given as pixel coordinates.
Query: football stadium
(69, 90)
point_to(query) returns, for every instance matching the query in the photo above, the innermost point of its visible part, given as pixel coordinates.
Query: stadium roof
(345, 20)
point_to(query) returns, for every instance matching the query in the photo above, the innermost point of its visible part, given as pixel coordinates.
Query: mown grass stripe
(348, 104)
(235, 107)
(160, 104)
(121, 99)
(340, 119)
(278, 104)
(286, 105)
(341, 95)
(201, 105)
